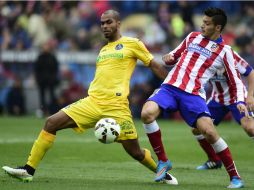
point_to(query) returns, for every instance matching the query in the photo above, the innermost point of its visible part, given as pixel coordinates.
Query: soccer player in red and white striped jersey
(199, 60)
(223, 101)
(221, 89)
(196, 60)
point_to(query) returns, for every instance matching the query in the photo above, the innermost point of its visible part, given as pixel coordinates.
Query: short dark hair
(116, 14)
(218, 15)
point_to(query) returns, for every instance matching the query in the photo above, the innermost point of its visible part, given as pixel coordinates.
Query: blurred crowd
(73, 26)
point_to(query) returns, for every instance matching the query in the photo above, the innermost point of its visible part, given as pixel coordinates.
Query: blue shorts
(191, 107)
(219, 111)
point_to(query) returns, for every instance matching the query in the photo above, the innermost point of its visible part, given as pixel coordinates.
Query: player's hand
(168, 59)
(243, 109)
(250, 103)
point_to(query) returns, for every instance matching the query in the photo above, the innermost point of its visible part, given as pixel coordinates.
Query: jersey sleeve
(177, 52)
(233, 75)
(142, 53)
(243, 67)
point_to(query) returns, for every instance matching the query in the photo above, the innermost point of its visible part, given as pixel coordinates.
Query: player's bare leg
(144, 157)
(41, 145)
(214, 161)
(248, 125)
(149, 114)
(206, 127)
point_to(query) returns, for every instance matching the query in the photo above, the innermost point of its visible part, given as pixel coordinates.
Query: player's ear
(118, 25)
(218, 28)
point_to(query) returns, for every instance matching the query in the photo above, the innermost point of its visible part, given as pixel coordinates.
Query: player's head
(214, 21)
(110, 24)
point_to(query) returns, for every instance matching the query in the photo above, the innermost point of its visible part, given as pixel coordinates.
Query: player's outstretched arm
(158, 69)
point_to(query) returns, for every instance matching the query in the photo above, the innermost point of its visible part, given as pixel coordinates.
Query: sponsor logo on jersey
(119, 46)
(109, 56)
(200, 50)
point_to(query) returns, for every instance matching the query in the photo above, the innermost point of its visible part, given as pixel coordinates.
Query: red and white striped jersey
(198, 60)
(221, 89)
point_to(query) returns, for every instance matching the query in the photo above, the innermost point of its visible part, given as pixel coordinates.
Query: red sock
(228, 162)
(156, 142)
(207, 147)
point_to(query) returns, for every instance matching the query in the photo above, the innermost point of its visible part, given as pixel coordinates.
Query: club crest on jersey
(214, 47)
(119, 46)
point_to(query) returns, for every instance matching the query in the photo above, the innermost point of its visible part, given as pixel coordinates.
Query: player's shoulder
(227, 48)
(128, 39)
(133, 43)
(194, 33)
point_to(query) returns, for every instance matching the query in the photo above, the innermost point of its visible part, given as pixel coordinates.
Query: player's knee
(206, 127)
(209, 132)
(50, 125)
(211, 135)
(148, 114)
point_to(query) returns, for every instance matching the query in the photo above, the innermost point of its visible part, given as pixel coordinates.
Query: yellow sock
(148, 161)
(41, 145)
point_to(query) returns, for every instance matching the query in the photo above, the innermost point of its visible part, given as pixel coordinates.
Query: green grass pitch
(78, 161)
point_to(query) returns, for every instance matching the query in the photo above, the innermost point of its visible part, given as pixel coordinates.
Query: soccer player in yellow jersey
(108, 94)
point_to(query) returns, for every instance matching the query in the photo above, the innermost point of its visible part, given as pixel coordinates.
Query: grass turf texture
(78, 161)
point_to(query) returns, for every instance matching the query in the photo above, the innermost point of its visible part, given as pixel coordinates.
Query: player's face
(109, 26)
(208, 28)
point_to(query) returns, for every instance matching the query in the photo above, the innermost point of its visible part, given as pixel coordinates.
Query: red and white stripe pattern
(199, 60)
(221, 89)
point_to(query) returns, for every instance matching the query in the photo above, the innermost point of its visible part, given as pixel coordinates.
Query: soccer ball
(107, 130)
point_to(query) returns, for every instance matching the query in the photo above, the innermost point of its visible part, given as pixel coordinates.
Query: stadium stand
(71, 27)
